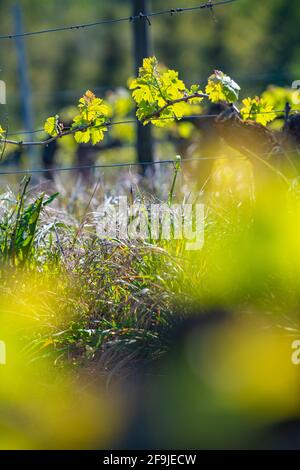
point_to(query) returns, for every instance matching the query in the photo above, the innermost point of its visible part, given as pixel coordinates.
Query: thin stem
(55, 137)
(169, 103)
(266, 163)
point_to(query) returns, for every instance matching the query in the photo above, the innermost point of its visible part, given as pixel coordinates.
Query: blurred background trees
(255, 42)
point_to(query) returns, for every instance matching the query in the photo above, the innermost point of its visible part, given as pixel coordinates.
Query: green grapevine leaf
(159, 93)
(2, 132)
(258, 109)
(52, 126)
(91, 120)
(82, 137)
(221, 87)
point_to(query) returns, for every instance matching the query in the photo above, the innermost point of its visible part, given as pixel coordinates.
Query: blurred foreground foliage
(81, 314)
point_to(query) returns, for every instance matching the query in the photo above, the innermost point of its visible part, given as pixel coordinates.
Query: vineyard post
(26, 98)
(142, 48)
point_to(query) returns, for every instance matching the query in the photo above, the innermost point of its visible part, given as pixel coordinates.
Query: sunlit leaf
(221, 87)
(258, 109)
(51, 126)
(2, 133)
(156, 92)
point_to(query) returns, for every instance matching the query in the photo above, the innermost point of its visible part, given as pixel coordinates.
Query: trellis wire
(129, 164)
(102, 166)
(141, 16)
(134, 121)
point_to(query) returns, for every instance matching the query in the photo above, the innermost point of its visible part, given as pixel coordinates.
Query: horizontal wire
(146, 16)
(134, 121)
(112, 165)
(132, 164)
(118, 165)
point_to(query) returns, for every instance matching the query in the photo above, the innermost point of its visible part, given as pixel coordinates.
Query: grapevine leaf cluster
(88, 125)
(258, 109)
(161, 98)
(159, 93)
